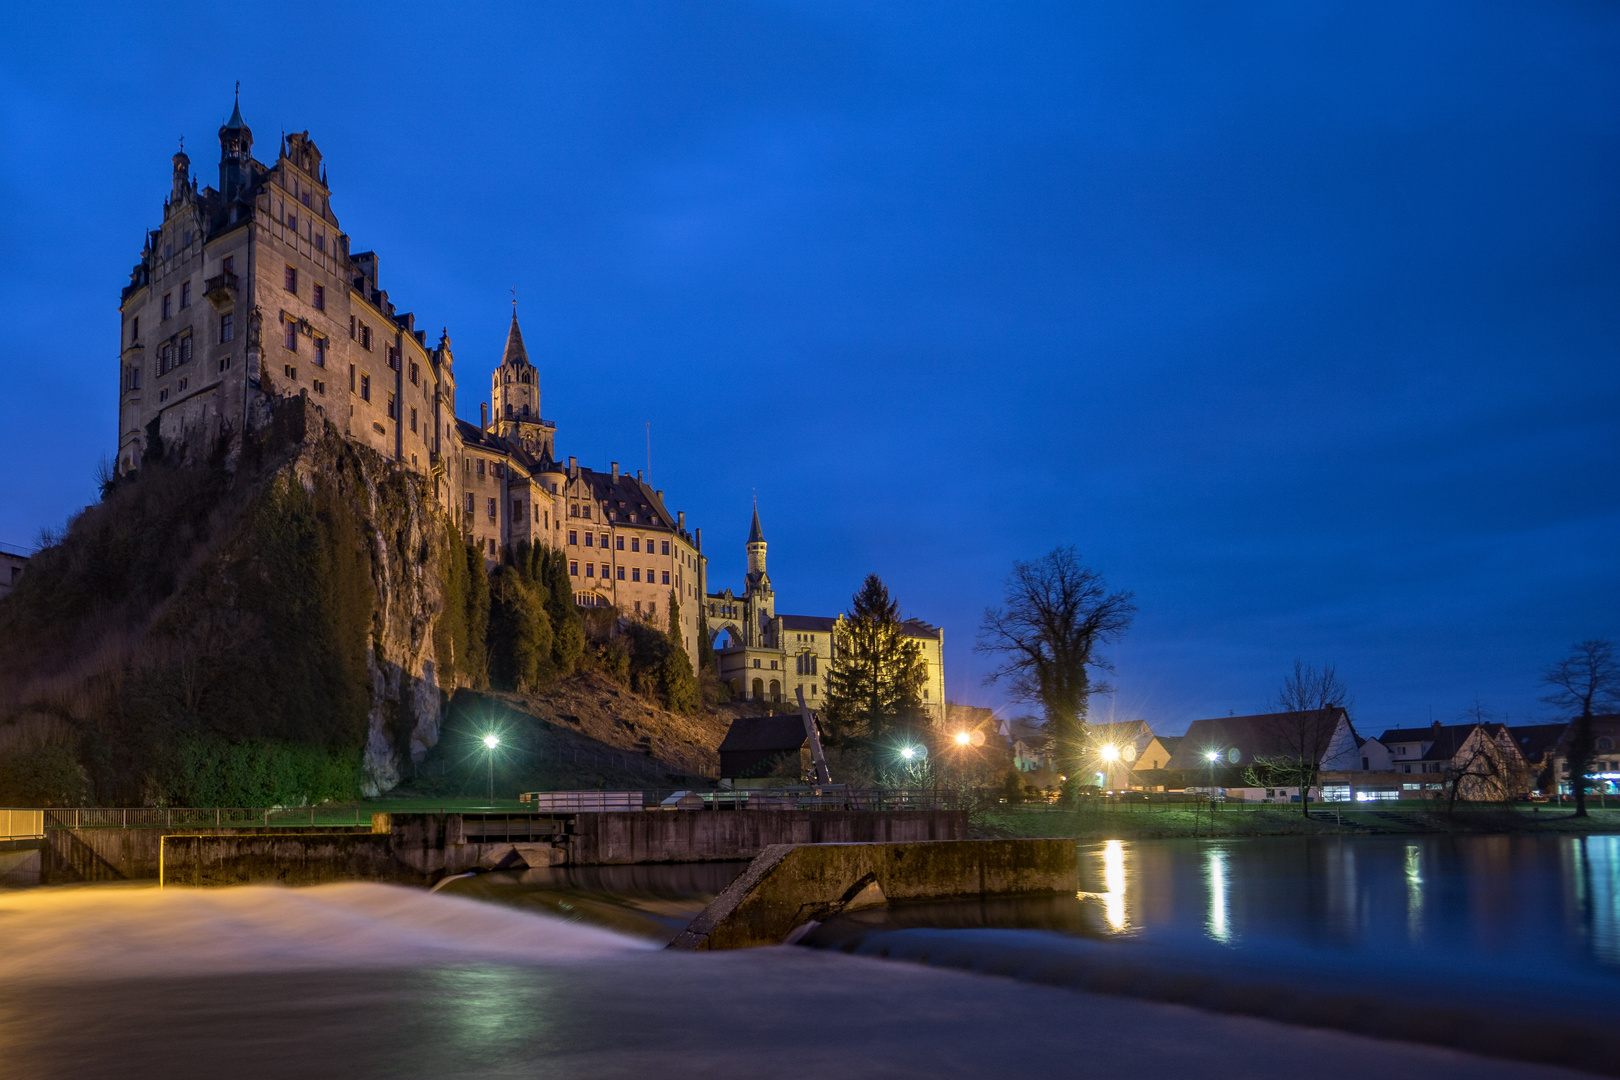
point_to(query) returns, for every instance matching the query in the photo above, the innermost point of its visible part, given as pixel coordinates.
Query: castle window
(185, 294)
(134, 329)
(663, 547)
(318, 295)
(573, 537)
(163, 395)
(303, 196)
(365, 337)
(604, 541)
(229, 265)
(416, 372)
(480, 469)
(590, 569)
(365, 388)
(621, 573)
(185, 348)
(517, 509)
(490, 509)
(391, 414)
(573, 509)
(605, 572)
(351, 378)
(665, 581)
(289, 280)
(618, 542)
(290, 336)
(289, 371)
(134, 378)
(635, 543)
(227, 327)
(500, 469)
(351, 327)
(585, 511)
(413, 419)
(225, 362)
(165, 353)
(320, 242)
(509, 410)
(292, 222)
(573, 569)
(492, 547)
(469, 502)
(168, 306)
(590, 538)
(635, 573)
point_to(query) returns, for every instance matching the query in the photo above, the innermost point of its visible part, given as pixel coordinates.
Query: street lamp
(1212, 756)
(1109, 754)
(491, 741)
(963, 738)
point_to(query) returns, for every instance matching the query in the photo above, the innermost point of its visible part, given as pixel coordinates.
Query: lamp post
(491, 741)
(1110, 755)
(1212, 756)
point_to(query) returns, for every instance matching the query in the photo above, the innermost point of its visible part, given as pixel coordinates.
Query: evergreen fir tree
(874, 686)
(679, 683)
(476, 610)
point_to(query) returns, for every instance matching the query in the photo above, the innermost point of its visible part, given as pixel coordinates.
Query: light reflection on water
(1529, 903)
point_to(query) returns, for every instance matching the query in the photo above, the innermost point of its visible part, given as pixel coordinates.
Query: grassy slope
(1116, 823)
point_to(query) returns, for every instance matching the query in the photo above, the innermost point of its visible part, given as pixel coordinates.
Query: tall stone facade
(248, 292)
(767, 657)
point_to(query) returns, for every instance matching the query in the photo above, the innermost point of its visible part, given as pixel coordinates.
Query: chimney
(483, 416)
(615, 467)
(573, 467)
(680, 520)
(638, 475)
(699, 535)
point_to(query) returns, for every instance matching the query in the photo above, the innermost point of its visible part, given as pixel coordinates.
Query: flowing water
(562, 974)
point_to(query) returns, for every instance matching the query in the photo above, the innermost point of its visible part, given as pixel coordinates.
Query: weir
(422, 848)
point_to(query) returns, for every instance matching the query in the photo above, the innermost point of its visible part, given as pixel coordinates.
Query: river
(559, 973)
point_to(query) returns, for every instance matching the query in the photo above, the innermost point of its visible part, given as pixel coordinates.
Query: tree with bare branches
(1485, 763)
(1054, 614)
(1301, 729)
(1586, 682)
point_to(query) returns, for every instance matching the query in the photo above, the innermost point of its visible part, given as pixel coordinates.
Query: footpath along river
(376, 981)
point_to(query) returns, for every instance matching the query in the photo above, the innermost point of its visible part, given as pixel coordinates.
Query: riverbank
(1147, 822)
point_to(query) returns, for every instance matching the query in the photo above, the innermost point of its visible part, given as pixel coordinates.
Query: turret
(756, 550)
(235, 154)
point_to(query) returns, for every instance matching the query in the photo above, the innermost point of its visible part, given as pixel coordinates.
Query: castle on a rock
(248, 292)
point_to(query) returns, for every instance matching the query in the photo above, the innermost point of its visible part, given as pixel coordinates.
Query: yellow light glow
(1114, 878)
(963, 738)
(1110, 753)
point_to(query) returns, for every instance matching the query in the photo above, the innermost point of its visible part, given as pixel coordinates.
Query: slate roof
(756, 535)
(764, 733)
(515, 353)
(812, 623)
(1252, 736)
(918, 628)
(1536, 740)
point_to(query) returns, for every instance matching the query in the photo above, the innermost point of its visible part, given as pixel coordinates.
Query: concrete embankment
(788, 887)
(421, 848)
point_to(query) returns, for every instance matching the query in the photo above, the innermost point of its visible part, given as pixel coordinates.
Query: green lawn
(1144, 822)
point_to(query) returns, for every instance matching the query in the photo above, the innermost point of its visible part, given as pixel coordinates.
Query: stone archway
(776, 691)
(759, 690)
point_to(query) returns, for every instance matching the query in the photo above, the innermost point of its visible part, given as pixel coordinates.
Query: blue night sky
(1300, 321)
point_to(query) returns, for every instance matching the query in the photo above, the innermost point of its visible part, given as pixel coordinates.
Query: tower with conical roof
(235, 154)
(515, 396)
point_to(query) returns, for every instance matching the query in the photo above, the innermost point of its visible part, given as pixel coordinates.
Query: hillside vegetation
(284, 620)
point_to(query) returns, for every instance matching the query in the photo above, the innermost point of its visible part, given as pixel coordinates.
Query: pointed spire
(515, 352)
(756, 535)
(235, 122)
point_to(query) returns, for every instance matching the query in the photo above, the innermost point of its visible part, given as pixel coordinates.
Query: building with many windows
(764, 656)
(248, 293)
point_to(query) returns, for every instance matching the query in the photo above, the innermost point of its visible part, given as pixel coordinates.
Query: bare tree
(1308, 704)
(1485, 763)
(1055, 612)
(1586, 682)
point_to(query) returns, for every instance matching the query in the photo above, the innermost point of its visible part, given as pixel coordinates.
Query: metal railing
(22, 824)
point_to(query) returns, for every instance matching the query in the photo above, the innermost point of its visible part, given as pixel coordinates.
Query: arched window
(776, 690)
(759, 690)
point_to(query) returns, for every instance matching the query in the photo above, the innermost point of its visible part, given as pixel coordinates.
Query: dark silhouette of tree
(874, 686)
(1055, 612)
(1301, 729)
(1586, 682)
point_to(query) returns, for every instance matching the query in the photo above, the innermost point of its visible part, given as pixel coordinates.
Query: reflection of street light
(491, 741)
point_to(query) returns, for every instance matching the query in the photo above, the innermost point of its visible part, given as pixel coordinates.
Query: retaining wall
(787, 887)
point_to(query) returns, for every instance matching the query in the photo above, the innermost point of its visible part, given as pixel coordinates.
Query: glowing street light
(908, 752)
(963, 738)
(491, 741)
(1110, 753)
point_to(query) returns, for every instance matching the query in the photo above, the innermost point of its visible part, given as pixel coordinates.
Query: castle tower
(235, 154)
(515, 395)
(756, 553)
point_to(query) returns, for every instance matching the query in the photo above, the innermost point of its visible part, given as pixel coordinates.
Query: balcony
(221, 291)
